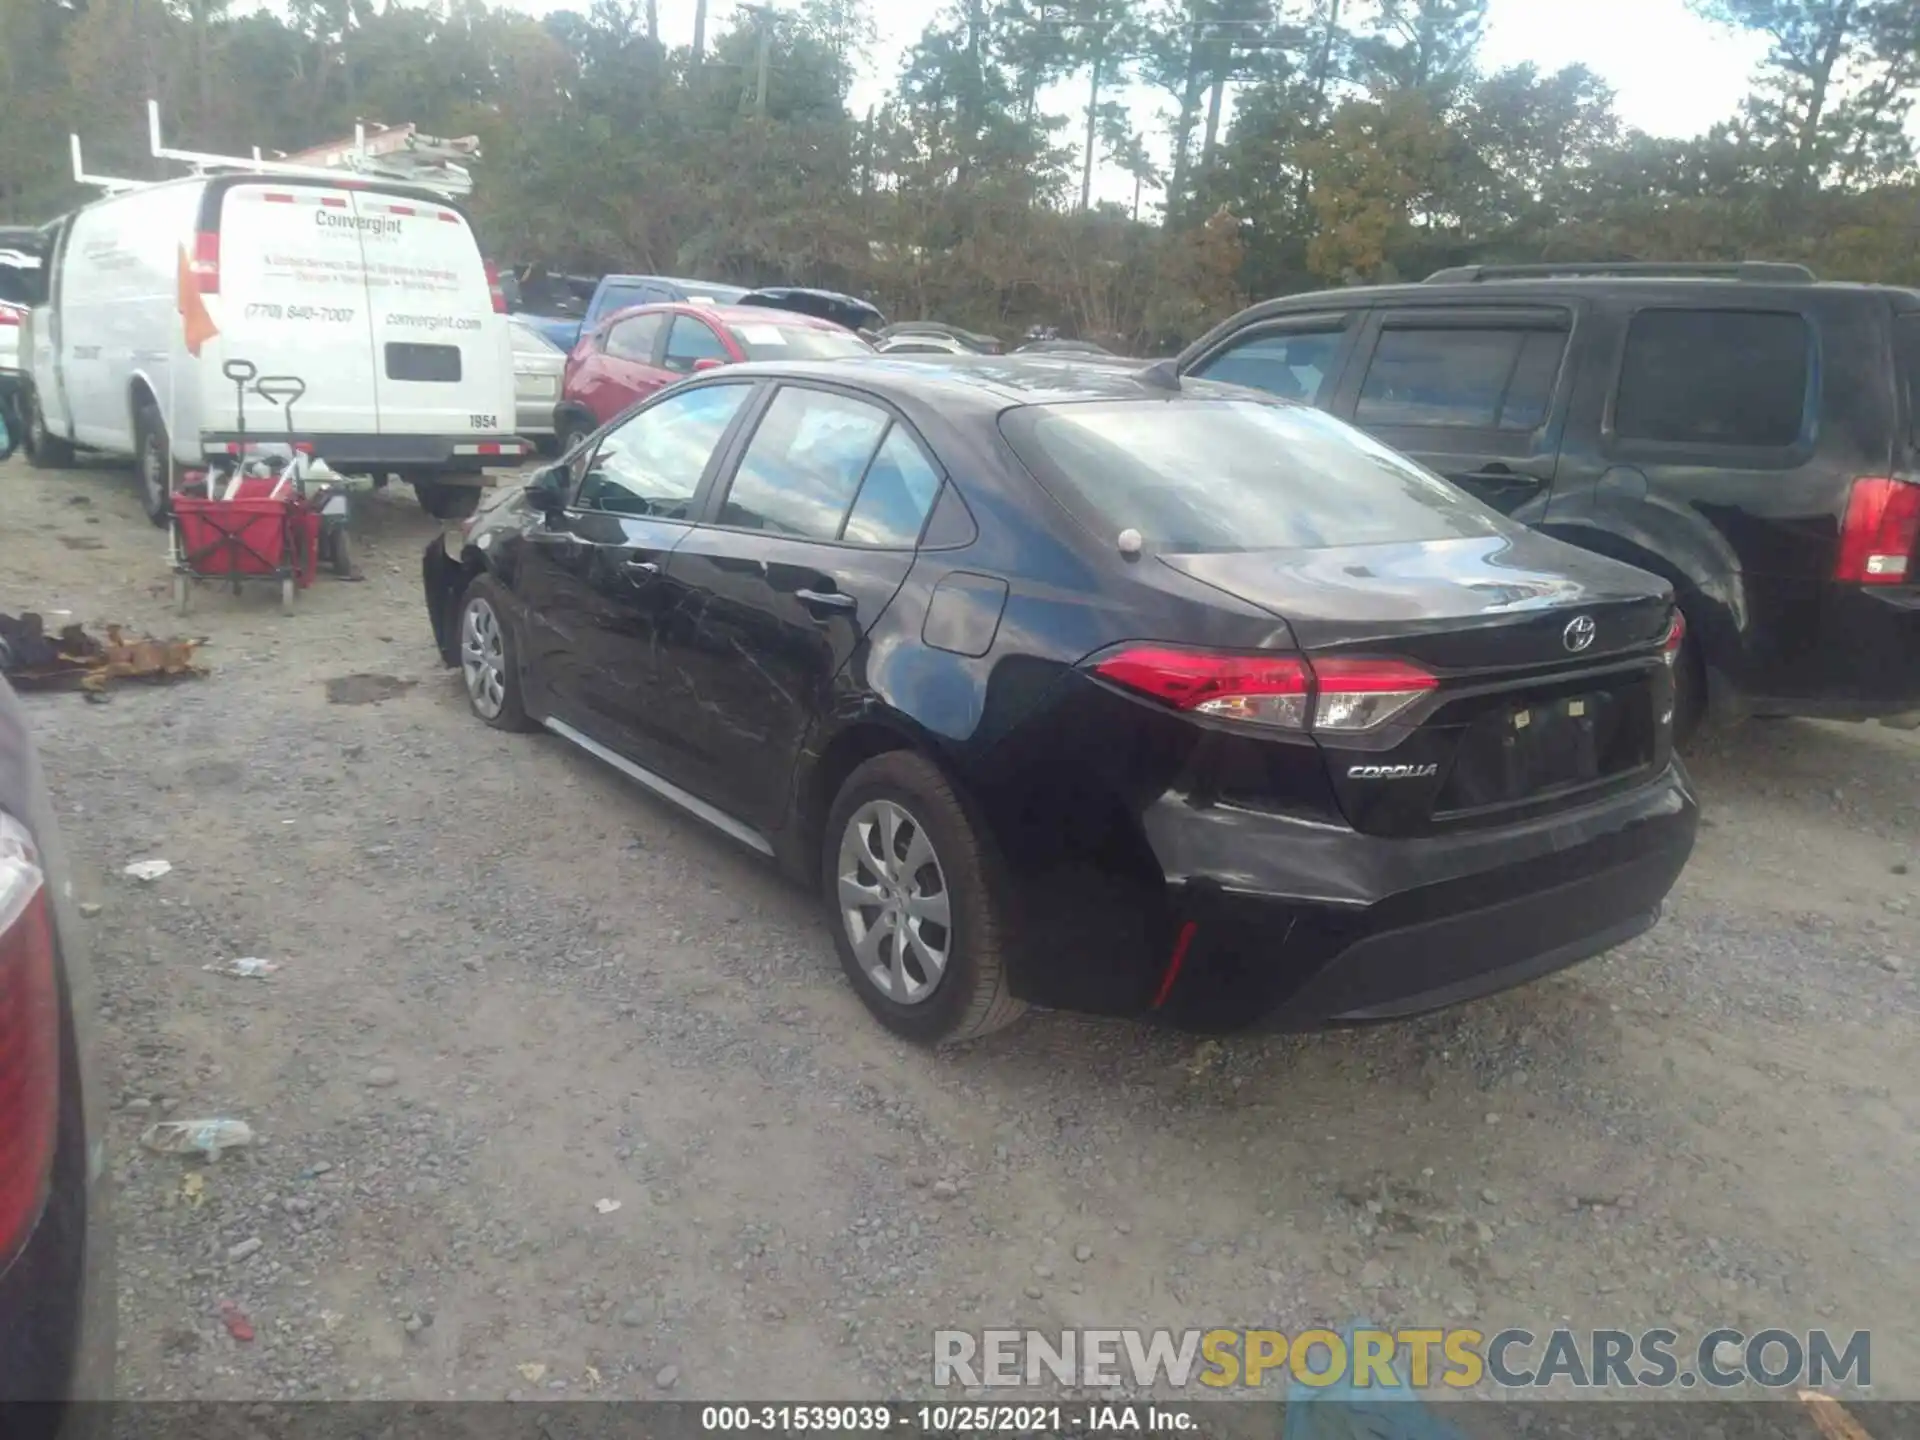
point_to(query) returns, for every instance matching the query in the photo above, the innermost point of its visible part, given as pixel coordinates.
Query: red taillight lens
(29, 1040)
(10, 316)
(206, 262)
(498, 295)
(1676, 637)
(1277, 690)
(1877, 538)
(1262, 689)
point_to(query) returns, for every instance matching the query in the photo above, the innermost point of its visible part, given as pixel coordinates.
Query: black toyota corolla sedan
(1093, 688)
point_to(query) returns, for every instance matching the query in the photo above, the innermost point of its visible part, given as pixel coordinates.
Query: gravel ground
(512, 987)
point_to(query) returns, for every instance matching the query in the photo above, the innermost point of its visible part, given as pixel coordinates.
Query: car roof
(992, 383)
(728, 315)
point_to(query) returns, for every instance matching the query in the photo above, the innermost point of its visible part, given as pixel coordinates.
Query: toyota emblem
(1579, 633)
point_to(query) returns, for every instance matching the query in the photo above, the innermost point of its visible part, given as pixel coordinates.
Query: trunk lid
(1550, 682)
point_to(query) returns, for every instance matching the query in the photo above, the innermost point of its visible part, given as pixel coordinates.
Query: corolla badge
(1392, 772)
(1579, 633)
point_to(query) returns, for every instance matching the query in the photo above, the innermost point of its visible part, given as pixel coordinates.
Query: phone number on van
(325, 314)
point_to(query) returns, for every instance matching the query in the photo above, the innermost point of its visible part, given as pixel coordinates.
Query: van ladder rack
(452, 181)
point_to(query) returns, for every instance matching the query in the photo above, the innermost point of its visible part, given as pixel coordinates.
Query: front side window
(804, 464)
(634, 339)
(691, 340)
(1491, 379)
(1715, 377)
(652, 463)
(1234, 475)
(1293, 365)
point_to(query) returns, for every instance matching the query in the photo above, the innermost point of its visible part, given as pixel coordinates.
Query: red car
(638, 351)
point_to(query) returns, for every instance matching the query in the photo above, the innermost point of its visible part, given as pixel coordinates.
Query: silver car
(538, 364)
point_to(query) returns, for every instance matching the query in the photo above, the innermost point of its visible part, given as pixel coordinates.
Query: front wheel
(340, 553)
(489, 658)
(920, 902)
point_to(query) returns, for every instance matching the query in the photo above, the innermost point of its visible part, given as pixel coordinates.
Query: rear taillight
(29, 1040)
(206, 262)
(1676, 637)
(498, 295)
(1360, 694)
(10, 316)
(1877, 537)
(1283, 691)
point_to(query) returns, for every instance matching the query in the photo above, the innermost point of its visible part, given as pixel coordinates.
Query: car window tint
(619, 297)
(1294, 367)
(1482, 379)
(633, 339)
(652, 464)
(804, 463)
(1714, 377)
(896, 495)
(1229, 475)
(690, 340)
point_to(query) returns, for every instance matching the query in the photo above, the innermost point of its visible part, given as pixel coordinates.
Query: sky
(1672, 72)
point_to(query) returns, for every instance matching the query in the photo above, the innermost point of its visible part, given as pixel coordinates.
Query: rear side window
(1293, 366)
(1906, 348)
(1235, 475)
(407, 360)
(1492, 379)
(634, 339)
(804, 464)
(1715, 377)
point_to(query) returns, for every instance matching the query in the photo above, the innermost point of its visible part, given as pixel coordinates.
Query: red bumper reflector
(1175, 961)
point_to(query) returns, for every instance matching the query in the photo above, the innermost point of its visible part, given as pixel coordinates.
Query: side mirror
(547, 490)
(707, 363)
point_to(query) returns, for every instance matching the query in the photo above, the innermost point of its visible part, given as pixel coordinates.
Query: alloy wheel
(483, 659)
(894, 901)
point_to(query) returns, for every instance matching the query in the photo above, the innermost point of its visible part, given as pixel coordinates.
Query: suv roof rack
(1758, 271)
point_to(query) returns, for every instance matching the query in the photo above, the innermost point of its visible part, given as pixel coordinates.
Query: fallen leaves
(74, 660)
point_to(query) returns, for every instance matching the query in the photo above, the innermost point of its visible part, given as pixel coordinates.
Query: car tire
(153, 462)
(444, 500)
(490, 658)
(961, 877)
(45, 450)
(1689, 690)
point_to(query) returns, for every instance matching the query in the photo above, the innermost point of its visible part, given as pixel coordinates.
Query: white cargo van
(374, 295)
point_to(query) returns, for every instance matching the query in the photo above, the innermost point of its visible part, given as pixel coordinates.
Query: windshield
(1227, 475)
(798, 342)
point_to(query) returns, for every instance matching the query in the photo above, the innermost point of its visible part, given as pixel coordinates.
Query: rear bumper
(1292, 925)
(410, 454)
(1864, 664)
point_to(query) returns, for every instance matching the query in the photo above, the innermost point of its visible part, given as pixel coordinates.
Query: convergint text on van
(369, 224)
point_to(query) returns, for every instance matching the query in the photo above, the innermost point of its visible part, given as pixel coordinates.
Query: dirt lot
(513, 986)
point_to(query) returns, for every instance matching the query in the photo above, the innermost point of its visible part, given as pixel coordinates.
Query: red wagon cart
(255, 521)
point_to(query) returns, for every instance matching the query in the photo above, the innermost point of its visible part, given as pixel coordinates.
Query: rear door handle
(641, 567)
(825, 599)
